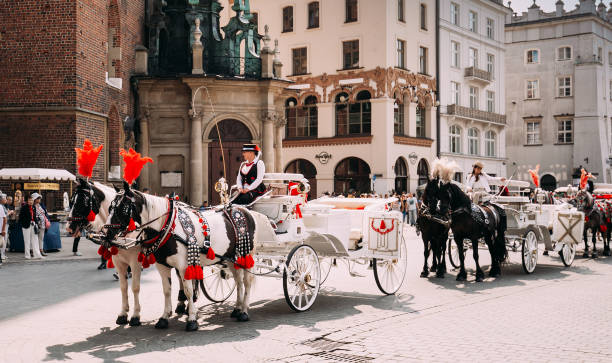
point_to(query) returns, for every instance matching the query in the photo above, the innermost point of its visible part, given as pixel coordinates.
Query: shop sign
(413, 157)
(41, 186)
(323, 157)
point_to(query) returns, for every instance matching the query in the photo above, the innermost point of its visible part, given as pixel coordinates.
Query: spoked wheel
(218, 283)
(530, 252)
(389, 273)
(568, 253)
(326, 264)
(453, 253)
(302, 278)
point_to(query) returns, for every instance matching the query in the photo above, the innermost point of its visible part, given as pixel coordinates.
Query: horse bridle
(90, 202)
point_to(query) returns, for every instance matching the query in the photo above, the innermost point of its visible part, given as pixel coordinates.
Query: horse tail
(499, 243)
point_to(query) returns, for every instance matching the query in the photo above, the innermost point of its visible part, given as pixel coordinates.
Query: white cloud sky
(547, 5)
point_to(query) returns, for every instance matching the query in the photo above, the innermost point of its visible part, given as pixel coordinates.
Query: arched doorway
(423, 171)
(233, 134)
(306, 168)
(548, 182)
(352, 175)
(401, 176)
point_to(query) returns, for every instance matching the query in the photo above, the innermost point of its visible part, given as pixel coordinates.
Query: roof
(35, 174)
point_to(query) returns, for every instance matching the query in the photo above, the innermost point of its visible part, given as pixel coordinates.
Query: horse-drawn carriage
(557, 225)
(308, 237)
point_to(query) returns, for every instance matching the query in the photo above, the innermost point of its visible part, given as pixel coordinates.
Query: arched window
(490, 143)
(473, 141)
(423, 171)
(354, 118)
(113, 46)
(420, 121)
(302, 121)
(352, 175)
(398, 115)
(454, 142)
(401, 176)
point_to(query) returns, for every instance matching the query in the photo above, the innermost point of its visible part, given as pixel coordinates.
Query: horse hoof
(162, 324)
(607, 253)
(433, 268)
(494, 274)
(594, 255)
(243, 317)
(121, 320)
(545, 253)
(135, 321)
(461, 277)
(479, 279)
(440, 274)
(235, 313)
(180, 309)
(424, 274)
(585, 255)
(191, 326)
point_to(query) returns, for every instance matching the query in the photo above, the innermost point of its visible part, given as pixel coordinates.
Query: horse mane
(458, 196)
(107, 192)
(154, 206)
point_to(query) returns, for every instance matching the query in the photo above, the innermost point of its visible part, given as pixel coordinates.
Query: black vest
(250, 177)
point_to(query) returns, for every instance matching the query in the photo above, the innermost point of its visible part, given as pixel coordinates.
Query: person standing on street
(29, 226)
(412, 208)
(404, 208)
(3, 226)
(42, 219)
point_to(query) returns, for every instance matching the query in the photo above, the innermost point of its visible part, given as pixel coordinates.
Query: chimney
(601, 10)
(533, 13)
(559, 8)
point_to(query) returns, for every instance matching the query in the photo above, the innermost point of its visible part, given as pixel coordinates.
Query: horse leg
(462, 275)
(136, 271)
(180, 306)
(166, 277)
(439, 255)
(238, 277)
(594, 254)
(606, 251)
(479, 273)
(248, 279)
(121, 268)
(192, 322)
(586, 243)
(425, 271)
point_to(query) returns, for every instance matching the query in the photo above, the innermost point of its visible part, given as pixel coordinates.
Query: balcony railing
(234, 66)
(478, 74)
(476, 114)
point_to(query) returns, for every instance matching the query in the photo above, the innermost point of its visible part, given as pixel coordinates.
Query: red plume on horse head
(535, 175)
(134, 163)
(584, 178)
(87, 157)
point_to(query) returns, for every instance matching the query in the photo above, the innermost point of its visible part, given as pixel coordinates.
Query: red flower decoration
(87, 157)
(134, 163)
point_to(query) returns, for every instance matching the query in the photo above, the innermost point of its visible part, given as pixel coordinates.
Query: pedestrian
(29, 226)
(75, 246)
(412, 209)
(404, 208)
(43, 221)
(3, 226)
(10, 221)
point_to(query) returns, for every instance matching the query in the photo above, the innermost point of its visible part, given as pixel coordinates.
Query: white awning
(35, 174)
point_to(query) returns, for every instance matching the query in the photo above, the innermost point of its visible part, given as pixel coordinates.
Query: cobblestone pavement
(66, 311)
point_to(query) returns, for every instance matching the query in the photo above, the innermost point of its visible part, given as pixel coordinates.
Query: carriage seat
(276, 207)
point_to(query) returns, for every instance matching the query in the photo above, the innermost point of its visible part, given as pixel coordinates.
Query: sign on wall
(41, 186)
(170, 179)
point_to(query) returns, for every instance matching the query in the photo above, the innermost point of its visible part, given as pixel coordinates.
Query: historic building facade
(66, 67)
(472, 84)
(362, 113)
(559, 82)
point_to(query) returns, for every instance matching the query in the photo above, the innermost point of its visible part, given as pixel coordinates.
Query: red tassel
(91, 216)
(608, 220)
(200, 220)
(151, 259)
(141, 257)
(101, 250)
(248, 260)
(114, 250)
(145, 264)
(603, 228)
(586, 218)
(240, 263)
(189, 273)
(205, 227)
(110, 263)
(210, 254)
(107, 255)
(132, 225)
(200, 273)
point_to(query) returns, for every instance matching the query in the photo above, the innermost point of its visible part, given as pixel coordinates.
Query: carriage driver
(250, 175)
(478, 183)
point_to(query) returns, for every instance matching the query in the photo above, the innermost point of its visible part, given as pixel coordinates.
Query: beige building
(362, 113)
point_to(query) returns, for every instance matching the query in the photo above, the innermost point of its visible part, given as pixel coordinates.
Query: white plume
(444, 169)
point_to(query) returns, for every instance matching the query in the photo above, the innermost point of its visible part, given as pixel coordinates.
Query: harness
(244, 242)
(152, 245)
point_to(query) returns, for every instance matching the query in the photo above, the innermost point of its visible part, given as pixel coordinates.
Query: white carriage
(308, 237)
(558, 226)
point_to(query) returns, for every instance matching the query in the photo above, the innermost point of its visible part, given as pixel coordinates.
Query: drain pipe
(437, 93)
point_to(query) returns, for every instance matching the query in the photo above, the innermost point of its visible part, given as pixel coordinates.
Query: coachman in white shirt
(250, 175)
(478, 183)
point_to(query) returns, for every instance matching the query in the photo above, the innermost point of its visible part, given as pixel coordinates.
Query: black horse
(434, 230)
(469, 221)
(594, 220)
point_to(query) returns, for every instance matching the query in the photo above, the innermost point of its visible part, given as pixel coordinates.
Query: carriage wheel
(218, 283)
(389, 273)
(302, 278)
(530, 252)
(326, 264)
(453, 253)
(567, 253)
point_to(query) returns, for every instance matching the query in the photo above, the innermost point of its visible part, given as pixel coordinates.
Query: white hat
(36, 196)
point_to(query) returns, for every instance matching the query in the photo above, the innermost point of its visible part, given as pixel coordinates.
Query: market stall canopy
(35, 174)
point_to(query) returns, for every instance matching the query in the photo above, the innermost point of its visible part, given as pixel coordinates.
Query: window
(420, 122)
(564, 53)
(401, 54)
(454, 14)
(400, 11)
(599, 54)
(564, 86)
(423, 16)
(490, 144)
(473, 57)
(302, 122)
(473, 141)
(300, 61)
(490, 101)
(287, 19)
(398, 116)
(473, 22)
(490, 28)
(533, 89)
(565, 132)
(533, 133)
(455, 54)
(313, 15)
(350, 54)
(455, 93)
(491, 64)
(454, 141)
(353, 118)
(474, 98)
(423, 60)
(533, 56)
(458, 177)
(113, 50)
(351, 11)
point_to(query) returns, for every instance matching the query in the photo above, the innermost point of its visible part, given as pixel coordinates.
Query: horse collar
(153, 244)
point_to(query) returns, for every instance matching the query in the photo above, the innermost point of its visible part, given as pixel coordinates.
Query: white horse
(150, 211)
